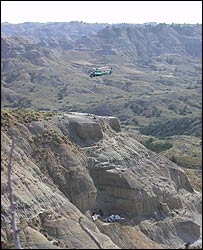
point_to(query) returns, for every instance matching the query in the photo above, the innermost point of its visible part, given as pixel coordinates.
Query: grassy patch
(195, 177)
(187, 161)
(157, 146)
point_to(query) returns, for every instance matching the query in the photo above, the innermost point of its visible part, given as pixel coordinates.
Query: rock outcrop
(67, 166)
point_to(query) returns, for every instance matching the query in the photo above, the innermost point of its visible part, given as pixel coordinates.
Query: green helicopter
(101, 71)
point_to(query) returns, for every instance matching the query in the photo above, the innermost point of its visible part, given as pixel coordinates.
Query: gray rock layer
(74, 164)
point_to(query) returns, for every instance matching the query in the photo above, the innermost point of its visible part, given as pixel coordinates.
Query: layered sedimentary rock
(67, 166)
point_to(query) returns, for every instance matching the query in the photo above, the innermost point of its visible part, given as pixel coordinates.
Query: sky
(102, 11)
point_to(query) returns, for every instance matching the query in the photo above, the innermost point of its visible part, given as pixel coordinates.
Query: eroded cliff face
(67, 166)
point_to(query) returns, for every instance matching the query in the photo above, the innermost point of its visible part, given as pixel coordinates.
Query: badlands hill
(156, 70)
(155, 89)
(67, 166)
(88, 153)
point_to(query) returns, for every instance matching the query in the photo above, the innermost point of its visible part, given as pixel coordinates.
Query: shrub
(157, 147)
(173, 159)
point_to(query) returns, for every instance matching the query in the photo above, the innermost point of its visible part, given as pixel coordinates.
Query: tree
(12, 203)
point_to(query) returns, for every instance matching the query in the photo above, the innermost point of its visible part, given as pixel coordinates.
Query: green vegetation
(149, 84)
(155, 91)
(187, 161)
(183, 126)
(195, 177)
(23, 115)
(157, 146)
(183, 150)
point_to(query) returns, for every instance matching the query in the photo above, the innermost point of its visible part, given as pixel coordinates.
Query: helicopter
(101, 71)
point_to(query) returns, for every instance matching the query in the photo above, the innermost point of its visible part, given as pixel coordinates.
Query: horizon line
(148, 22)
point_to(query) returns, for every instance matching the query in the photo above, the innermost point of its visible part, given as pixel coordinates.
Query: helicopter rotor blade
(105, 67)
